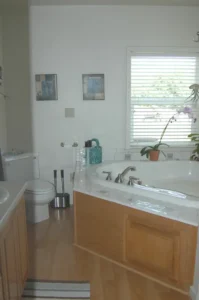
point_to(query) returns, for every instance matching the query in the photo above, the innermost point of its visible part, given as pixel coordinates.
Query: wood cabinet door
(153, 249)
(153, 245)
(162, 248)
(9, 263)
(22, 243)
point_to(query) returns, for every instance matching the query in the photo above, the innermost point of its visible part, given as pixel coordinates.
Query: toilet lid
(39, 186)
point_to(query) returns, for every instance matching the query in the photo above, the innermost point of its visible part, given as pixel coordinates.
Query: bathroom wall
(2, 100)
(75, 40)
(17, 74)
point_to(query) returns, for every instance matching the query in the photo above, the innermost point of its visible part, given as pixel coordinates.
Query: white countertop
(83, 183)
(16, 191)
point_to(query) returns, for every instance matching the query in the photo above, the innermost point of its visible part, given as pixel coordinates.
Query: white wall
(2, 100)
(72, 40)
(17, 75)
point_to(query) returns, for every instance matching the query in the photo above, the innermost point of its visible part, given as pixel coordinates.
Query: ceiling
(117, 2)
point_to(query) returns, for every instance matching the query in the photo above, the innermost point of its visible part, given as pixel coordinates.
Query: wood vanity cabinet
(152, 245)
(14, 254)
(22, 242)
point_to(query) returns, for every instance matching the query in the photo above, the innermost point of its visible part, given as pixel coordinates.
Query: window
(158, 85)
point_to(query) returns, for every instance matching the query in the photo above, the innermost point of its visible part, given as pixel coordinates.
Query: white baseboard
(192, 293)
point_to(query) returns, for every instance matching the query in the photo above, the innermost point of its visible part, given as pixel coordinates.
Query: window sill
(171, 146)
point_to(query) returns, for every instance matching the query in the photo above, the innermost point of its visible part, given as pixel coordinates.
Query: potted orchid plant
(195, 153)
(152, 152)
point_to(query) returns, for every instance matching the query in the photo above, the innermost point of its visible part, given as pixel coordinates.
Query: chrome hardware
(74, 145)
(118, 179)
(127, 170)
(109, 177)
(132, 180)
(197, 39)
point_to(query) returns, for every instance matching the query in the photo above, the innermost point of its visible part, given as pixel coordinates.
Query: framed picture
(93, 86)
(46, 87)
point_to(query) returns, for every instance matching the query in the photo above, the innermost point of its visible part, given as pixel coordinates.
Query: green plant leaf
(145, 150)
(194, 157)
(156, 147)
(194, 139)
(193, 134)
(195, 151)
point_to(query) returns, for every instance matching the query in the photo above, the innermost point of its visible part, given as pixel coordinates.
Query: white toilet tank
(20, 167)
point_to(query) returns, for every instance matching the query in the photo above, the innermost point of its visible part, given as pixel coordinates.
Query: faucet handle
(132, 179)
(109, 177)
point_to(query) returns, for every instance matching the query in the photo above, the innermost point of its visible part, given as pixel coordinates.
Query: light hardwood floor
(53, 257)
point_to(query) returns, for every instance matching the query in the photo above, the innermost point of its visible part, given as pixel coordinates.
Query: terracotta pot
(154, 155)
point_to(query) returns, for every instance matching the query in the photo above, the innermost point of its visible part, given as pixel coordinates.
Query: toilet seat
(39, 187)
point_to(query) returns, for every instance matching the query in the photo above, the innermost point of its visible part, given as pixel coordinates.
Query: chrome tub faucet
(120, 177)
(133, 180)
(109, 177)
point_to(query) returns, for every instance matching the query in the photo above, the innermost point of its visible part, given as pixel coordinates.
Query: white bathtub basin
(4, 195)
(172, 181)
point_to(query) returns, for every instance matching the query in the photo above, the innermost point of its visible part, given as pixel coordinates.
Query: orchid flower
(186, 110)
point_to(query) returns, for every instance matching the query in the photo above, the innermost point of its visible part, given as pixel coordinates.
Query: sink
(4, 194)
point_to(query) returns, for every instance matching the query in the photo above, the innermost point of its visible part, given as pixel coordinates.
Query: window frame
(151, 51)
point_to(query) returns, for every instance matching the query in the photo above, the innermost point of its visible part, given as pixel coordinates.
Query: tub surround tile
(84, 184)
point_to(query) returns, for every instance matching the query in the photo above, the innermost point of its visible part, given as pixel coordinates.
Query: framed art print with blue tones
(93, 86)
(46, 87)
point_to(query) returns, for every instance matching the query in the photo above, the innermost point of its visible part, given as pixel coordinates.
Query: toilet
(39, 193)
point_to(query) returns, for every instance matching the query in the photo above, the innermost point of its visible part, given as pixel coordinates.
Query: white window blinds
(159, 85)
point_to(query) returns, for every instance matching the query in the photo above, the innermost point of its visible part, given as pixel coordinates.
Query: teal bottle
(95, 152)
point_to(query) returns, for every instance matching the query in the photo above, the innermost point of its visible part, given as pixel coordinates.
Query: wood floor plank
(53, 257)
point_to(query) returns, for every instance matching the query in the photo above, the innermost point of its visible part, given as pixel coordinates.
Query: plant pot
(154, 155)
